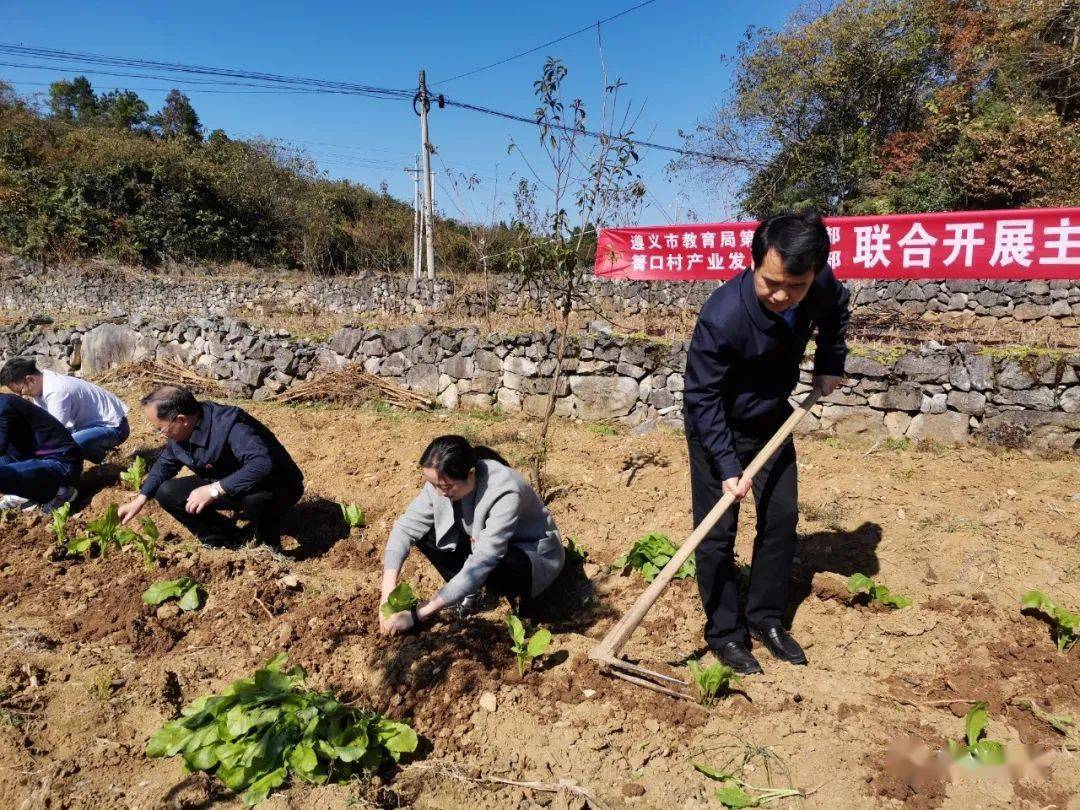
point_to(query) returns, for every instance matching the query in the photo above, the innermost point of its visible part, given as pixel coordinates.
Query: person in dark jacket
(741, 368)
(237, 464)
(39, 461)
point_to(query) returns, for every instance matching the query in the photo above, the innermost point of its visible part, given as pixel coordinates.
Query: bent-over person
(40, 463)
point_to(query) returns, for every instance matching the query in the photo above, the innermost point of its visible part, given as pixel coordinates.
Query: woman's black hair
(453, 456)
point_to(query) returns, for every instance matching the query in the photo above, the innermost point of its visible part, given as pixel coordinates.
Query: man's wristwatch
(216, 490)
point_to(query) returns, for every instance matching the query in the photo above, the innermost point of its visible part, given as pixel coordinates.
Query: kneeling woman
(480, 524)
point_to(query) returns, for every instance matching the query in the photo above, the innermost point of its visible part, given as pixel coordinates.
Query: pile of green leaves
(106, 533)
(135, 474)
(711, 681)
(190, 593)
(59, 523)
(734, 791)
(861, 583)
(353, 514)
(401, 598)
(651, 553)
(526, 650)
(1066, 624)
(262, 730)
(977, 751)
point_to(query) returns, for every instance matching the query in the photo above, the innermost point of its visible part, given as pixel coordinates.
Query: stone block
(972, 403)
(903, 397)
(423, 378)
(948, 428)
(852, 421)
(108, 345)
(603, 397)
(932, 368)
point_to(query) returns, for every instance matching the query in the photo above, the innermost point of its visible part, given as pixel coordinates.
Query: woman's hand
(401, 622)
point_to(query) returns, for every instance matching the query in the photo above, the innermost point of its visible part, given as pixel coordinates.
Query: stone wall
(100, 288)
(947, 393)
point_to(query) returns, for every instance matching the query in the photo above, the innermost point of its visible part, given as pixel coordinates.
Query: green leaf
(1034, 600)
(713, 773)
(167, 589)
(168, 741)
(517, 630)
(277, 662)
(236, 777)
(397, 738)
(988, 752)
(734, 796)
(975, 723)
(202, 759)
(860, 583)
(539, 642)
(303, 758)
(192, 598)
(401, 598)
(353, 514)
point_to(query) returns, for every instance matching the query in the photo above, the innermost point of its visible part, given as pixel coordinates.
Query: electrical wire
(589, 27)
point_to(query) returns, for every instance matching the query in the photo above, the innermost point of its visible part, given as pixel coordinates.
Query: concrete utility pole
(416, 235)
(429, 203)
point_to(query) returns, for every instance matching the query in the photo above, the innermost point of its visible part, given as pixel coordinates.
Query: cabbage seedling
(734, 791)
(59, 523)
(190, 593)
(135, 474)
(261, 730)
(401, 598)
(353, 514)
(1066, 624)
(526, 651)
(861, 583)
(977, 751)
(651, 553)
(104, 533)
(711, 681)
(145, 541)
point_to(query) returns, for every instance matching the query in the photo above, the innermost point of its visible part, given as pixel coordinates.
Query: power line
(546, 44)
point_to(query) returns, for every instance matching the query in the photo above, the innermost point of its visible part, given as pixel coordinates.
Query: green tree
(73, 101)
(178, 119)
(123, 109)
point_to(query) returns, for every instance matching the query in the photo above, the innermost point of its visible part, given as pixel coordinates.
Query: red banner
(1039, 243)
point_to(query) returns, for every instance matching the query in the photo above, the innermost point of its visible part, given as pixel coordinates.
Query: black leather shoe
(738, 656)
(779, 642)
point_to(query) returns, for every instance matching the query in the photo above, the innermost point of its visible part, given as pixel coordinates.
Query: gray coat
(504, 509)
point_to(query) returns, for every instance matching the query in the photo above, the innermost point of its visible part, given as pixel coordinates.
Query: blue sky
(670, 53)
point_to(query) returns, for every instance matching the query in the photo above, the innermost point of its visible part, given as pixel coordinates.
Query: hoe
(608, 652)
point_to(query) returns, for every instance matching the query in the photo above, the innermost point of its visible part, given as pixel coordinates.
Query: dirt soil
(88, 673)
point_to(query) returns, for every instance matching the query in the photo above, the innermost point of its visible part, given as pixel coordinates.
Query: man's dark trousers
(776, 498)
(263, 507)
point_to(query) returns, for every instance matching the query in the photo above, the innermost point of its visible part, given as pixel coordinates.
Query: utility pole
(416, 236)
(429, 205)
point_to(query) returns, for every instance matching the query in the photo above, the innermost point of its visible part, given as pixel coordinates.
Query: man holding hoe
(741, 368)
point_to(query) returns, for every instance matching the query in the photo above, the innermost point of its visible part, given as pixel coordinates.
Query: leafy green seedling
(190, 593)
(401, 598)
(734, 792)
(353, 514)
(135, 474)
(59, 523)
(104, 533)
(1066, 624)
(1059, 722)
(977, 751)
(260, 731)
(526, 651)
(575, 553)
(861, 583)
(651, 553)
(145, 541)
(711, 681)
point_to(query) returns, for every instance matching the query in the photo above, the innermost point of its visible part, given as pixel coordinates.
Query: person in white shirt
(96, 418)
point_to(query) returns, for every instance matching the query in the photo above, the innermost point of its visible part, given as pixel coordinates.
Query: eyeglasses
(162, 431)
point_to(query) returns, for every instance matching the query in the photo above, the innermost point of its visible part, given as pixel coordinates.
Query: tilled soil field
(88, 673)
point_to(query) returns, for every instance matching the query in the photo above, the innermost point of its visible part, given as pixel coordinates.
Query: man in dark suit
(237, 463)
(39, 461)
(741, 368)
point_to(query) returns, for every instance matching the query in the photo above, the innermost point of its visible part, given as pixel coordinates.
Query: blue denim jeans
(96, 442)
(37, 479)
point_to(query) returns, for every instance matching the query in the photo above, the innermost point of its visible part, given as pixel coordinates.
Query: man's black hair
(170, 401)
(17, 369)
(800, 238)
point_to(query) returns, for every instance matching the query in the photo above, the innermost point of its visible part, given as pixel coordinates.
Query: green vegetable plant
(260, 731)
(135, 474)
(104, 533)
(1066, 624)
(526, 650)
(734, 791)
(711, 681)
(860, 583)
(190, 593)
(145, 541)
(401, 598)
(976, 750)
(353, 514)
(651, 553)
(1059, 722)
(59, 523)
(575, 553)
